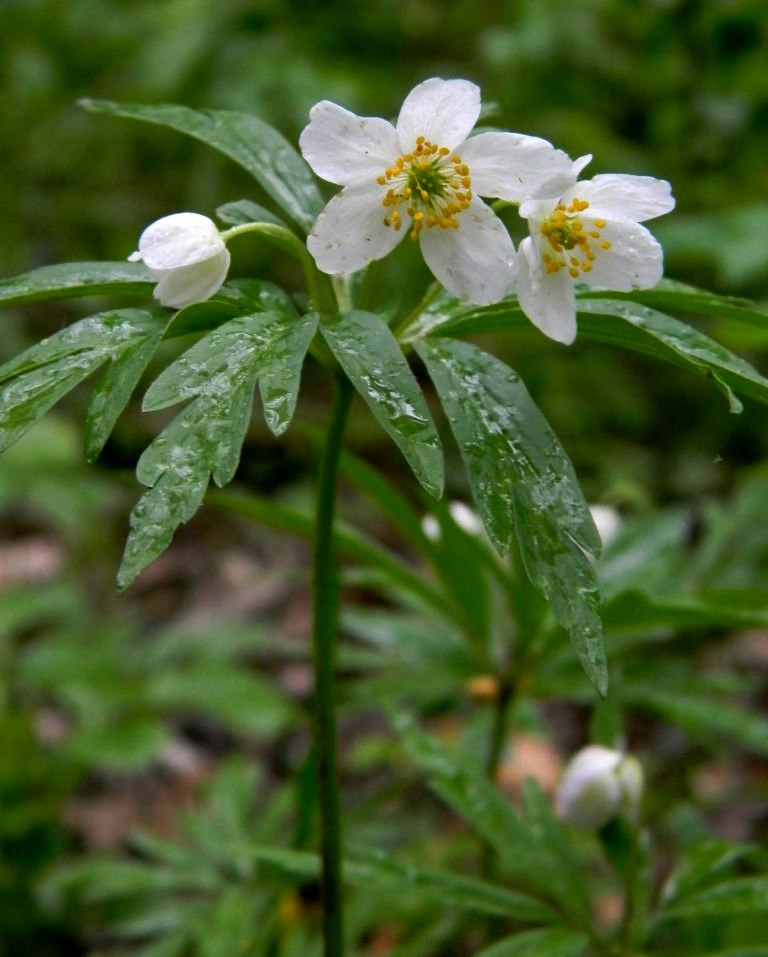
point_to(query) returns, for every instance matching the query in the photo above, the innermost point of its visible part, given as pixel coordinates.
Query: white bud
(186, 256)
(597, 784)
(607, 520)
(467, 519)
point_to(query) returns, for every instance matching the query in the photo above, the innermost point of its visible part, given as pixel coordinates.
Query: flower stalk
(325, 602)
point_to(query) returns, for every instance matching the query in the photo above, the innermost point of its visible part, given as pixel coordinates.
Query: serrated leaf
(218, 374)
(370, 356)
(75, 279)
(550, 942)
(40, 376)
(659, 335)
(246, 139)
(522, 480)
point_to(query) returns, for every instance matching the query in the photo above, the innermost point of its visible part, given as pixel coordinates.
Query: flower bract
(423, 178)
(186, 256)
(588, 233)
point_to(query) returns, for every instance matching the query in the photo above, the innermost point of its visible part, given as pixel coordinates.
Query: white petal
(442, 111)
(350, 231)
(513, 166)
(538, 209)
(546, 298)
(193, 283)
(581, 162)
(474, 262)
(179, 240)
(634, 261)
(624, 197)
(342, 147)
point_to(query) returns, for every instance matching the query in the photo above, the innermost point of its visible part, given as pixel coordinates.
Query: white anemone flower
(589, 233)
(186, 256)
(423, 178)
(597, 784)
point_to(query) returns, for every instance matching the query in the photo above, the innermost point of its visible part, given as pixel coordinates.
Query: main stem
(325, 603)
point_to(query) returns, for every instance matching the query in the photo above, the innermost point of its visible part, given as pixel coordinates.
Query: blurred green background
(670, 88)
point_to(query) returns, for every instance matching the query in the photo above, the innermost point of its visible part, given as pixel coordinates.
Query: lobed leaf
(373, 361)
(246, 139)
(523, 482)
(218, 374)
(35, 380)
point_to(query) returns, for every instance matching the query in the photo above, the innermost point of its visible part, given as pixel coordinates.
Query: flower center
(431, 187)
(572, 242)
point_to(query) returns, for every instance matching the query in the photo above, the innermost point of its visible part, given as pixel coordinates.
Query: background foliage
(125, 712)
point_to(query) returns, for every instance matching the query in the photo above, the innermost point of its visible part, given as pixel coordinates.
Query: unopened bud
(598, 783)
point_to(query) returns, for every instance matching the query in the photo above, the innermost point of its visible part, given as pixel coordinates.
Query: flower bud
(186, 256)
(597, 784)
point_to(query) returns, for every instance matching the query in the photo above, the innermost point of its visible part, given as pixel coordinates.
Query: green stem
(325, 602)
(290, 242)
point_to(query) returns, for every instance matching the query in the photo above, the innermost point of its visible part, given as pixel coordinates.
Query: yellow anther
(574, 272)
(600, 223)
(594, 234)
(605, 244)
(424, 195)
(444, 151)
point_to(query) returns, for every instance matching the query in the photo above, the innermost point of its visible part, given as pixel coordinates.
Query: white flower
(597, 784)
(186, 256)
(423, 178)
(589, 232)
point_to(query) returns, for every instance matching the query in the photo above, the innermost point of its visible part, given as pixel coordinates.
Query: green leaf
(524, 850)
(218, 374)
(75, 279)
(113, 389)
(249, 141)
(647, 330)
(455, 890)
(703, 863)
(373, 867)
(679, 297)
(243, 211)
(743, 895)
(702, 715)
(40, 376)
(554, 942)
(371, 357)
(522, 479)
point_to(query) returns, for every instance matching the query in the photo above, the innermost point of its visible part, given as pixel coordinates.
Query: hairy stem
(325, 602)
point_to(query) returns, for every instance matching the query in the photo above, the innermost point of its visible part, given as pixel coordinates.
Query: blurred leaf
(524, 850)
(40, 376)
(75, 279)
(742, 895)
(218, 374)
(704, 863)
(370, 356)
(556, 942)
(249, 141)
(521, 478)
(702, 715)
(229, 923)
